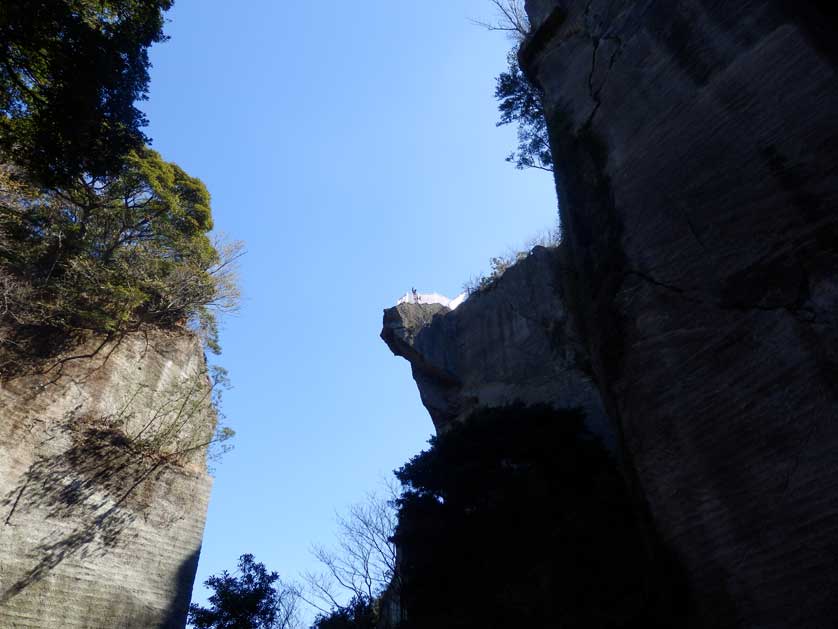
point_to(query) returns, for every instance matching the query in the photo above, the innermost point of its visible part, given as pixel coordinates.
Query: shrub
(360, 613)
(519, 518)
(498, 266)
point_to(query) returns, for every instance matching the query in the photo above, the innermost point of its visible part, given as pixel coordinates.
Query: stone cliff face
(695, 145)
(103, 485)
(509, 343)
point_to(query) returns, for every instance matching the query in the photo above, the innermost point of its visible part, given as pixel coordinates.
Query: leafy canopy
(518, 518)
(247, 601)
(70, 75)
(107, 254)
(520, 103)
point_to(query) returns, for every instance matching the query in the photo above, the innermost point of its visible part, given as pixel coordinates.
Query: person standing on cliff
(415, 296)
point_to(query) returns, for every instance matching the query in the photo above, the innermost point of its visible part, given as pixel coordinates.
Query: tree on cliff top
(70, 74)
(97, 232)
(110, 254)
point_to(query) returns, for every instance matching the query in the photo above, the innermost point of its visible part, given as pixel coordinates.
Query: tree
(109, 254)
(248, 601)
(364, 563)
(520, 100)
(519, 518)
(511, 18)
(520, 103)
(70, 75)
(359, 613)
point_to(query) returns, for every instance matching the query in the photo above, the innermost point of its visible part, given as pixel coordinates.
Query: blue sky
(353, 147)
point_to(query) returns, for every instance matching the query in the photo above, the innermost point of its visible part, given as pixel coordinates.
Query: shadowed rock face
(696, 145)
(102, 496)
(509, 343)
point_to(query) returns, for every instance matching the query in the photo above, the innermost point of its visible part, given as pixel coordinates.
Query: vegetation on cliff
(109, 254)
(520, 104)
(98, 233)
(519, 101)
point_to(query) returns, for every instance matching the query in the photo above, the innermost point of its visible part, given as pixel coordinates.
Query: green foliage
(250, 600)
(520, 103)
(519, 518)
(108, 254)
(360, 613)
(70, 75)
(498, 266)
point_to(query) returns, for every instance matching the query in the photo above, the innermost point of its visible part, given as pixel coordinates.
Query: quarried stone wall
(103, 485)
(695, 145)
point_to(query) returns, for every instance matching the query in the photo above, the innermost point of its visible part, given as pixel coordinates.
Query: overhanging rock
(509, 343)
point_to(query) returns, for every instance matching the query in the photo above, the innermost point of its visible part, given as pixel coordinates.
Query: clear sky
(352, 145)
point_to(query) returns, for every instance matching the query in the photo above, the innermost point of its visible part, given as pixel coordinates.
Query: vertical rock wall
(696, 145)
(102, 496)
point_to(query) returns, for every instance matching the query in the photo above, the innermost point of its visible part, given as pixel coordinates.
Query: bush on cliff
(520, 104)
(519, 518)
(110, 254)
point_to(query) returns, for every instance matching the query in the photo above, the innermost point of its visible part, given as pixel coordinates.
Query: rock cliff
(695, 146)
(103, 485)
(511, 342)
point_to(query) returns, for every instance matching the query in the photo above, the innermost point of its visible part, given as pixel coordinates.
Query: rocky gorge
(692, 306)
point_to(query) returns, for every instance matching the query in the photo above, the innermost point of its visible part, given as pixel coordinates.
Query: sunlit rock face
(511, 342)
(102, 496)
(696, 146)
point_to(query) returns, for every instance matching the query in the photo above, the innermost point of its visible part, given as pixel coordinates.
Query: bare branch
(511, 17)
(363, 562)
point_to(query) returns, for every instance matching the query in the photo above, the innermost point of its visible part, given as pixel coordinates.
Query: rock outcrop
(103, 485)
(695, 146)
(509, 343)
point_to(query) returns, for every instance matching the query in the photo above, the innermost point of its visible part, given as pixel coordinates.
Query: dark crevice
(656, 282)
(597, 40)
(694, 231)
(594, 93)
(798, 310)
